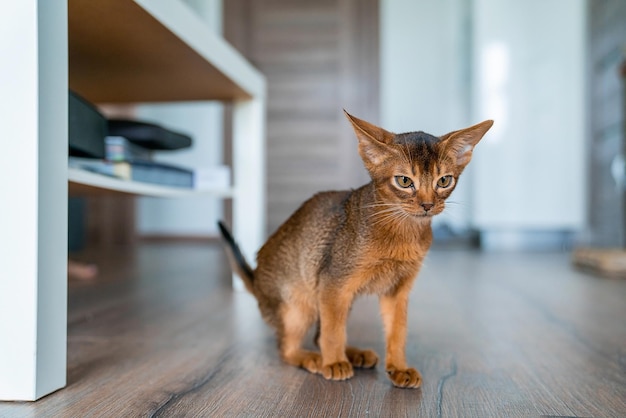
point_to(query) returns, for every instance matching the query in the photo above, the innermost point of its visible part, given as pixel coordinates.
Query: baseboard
(527, 240)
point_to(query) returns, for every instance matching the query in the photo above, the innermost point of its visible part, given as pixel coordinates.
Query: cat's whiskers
(464, 204)
(378, 216)
(385, 212)
(387, 215)
(395, 214)
(453, 214)
(451, 211)
(375, 205)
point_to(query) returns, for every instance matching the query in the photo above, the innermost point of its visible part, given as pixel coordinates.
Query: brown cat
(340, 244)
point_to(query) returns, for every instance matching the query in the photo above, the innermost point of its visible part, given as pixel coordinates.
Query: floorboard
(160, 333)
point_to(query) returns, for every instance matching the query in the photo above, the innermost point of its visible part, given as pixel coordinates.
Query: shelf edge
(111, 184)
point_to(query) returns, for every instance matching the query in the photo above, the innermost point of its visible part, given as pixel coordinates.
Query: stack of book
(138, 170)
(129, 148)
(127, 161)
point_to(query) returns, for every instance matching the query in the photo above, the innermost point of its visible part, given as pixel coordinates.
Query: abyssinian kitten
(371, 240)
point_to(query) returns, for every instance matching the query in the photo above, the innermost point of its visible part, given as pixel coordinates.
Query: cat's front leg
(334, 309)
(393, 309)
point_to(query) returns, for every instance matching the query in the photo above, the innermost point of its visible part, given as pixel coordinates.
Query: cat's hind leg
(361, 358)
(296, 319)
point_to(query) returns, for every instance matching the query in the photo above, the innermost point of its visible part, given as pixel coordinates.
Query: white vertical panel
(249, 175)
(33, 183)
(424, 60)
(18, 183)
(529, 78)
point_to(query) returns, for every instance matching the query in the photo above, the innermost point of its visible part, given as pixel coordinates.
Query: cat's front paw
(407, 378)
(341, 370)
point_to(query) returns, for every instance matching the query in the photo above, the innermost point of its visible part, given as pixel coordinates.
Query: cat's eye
(404, 181)
(444, 182)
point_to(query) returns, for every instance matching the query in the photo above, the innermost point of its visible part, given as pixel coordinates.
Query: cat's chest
(383, 265)
(404, 247)
(382, 275)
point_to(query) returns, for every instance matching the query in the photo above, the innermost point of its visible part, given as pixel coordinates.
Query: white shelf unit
(139, 51)
(119, 51)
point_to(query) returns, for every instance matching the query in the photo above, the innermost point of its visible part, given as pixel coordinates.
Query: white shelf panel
(84, 182)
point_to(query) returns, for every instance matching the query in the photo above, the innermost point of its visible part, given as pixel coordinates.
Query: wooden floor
(160, 333)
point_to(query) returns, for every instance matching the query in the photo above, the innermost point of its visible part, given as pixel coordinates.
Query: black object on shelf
(148, 135)
(87, 128)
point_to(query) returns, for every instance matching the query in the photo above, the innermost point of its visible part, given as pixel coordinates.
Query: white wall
(529, 77)
(203, 121)
(193, 216)
(451, 63)
(424, 71)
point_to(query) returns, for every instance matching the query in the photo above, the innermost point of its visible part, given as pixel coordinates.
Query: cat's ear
(460, 144)
(373, 141)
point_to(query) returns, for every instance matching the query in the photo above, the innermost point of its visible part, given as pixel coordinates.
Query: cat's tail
(237, 261)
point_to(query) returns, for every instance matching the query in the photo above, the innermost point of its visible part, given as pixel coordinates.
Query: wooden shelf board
(83, 182)
(119, 52)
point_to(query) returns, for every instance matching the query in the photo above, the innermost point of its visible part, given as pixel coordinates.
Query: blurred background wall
(545, 70)
(529, 75)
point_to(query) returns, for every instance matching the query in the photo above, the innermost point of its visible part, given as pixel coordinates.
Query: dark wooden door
(319, 57)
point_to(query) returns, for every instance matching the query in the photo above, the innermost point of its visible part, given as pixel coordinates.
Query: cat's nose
(427, 206)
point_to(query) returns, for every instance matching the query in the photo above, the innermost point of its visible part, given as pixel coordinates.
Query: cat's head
(414, 173)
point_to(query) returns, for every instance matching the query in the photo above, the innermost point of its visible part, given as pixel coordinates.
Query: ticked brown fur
(371, 240)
